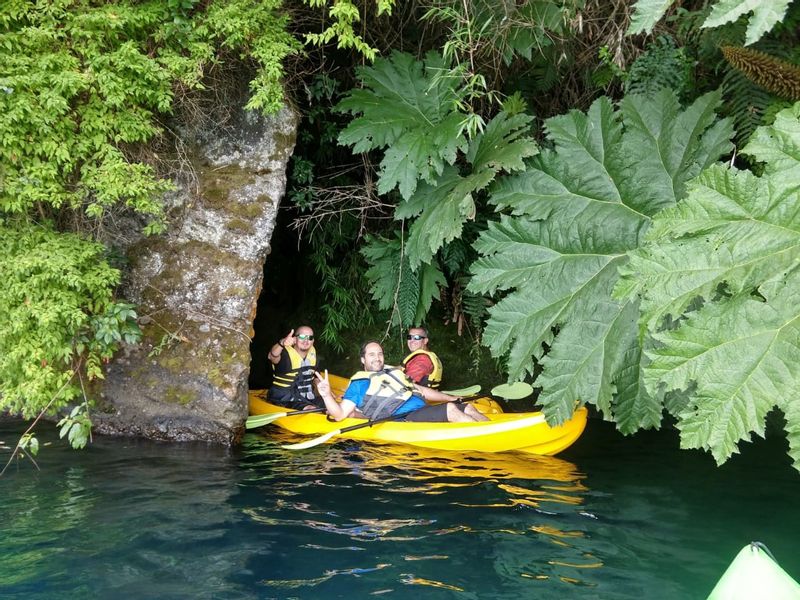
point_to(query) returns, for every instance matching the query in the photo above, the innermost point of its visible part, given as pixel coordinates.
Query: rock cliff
(197, 287)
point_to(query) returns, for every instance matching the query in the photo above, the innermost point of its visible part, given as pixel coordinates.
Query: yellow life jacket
(388, 390)
(435, 377)
(297, 381)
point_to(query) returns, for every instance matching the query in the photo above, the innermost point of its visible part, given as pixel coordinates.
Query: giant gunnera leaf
(441, 209)
(724, 265)
(574, 215)
(408, 108)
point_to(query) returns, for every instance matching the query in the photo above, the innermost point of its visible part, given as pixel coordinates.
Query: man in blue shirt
(379, 391)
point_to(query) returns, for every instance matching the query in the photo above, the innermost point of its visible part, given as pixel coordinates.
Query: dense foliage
(570, 219)
(765, 15)
(575, 213)
(83, 84)
(596, 247)
(60, 319)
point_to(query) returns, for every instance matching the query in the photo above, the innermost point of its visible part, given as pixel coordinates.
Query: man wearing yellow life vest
(422, 365)
(380, 391)
(294, 361)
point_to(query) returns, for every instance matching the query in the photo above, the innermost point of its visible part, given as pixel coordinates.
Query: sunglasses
(305, 336)
(416, 337)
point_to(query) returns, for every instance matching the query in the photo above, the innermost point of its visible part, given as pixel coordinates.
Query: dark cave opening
(286, 290)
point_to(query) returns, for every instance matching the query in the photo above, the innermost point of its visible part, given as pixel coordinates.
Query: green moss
(215, 185)
(177, 395)
(237, 224)
(216, 376)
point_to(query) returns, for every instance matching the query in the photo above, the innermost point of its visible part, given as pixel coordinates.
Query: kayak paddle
(506, 391)
(260, 420)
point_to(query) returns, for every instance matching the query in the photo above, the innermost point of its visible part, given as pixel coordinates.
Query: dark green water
(612, 517)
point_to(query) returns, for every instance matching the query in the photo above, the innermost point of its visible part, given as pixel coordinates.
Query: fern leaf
(395, 285)
(747, 104)
(407, 296)
(384, 258)
(431, 280)
(766, 14)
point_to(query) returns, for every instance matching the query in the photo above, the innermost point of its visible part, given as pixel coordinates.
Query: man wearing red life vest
(422, 365)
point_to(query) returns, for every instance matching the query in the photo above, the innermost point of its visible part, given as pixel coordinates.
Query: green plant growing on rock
(83, 85)
(60, 320)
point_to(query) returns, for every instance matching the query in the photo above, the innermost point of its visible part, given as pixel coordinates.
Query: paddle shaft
(325, 437)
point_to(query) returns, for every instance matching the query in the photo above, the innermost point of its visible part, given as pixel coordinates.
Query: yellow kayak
(503, 432)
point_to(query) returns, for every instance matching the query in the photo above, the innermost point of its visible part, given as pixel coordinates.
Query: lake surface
(612, 517)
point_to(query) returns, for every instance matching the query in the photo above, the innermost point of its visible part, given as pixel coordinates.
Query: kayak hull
(755, 574)
(503, 432)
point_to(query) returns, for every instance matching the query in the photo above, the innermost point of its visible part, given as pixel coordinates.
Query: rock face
(197, 288)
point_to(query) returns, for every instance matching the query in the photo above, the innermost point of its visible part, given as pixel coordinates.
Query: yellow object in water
(503, 432)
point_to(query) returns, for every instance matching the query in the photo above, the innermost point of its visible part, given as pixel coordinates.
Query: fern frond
(662, 65)
(779, 77)
(745, 103)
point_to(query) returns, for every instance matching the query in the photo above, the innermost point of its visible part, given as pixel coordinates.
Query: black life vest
(297, 381)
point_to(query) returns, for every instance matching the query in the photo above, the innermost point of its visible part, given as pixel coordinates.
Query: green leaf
(646, 13)
(579, 209)
(743, 354)
(734, 229)
(431, 280)
(766, 14)
(778, 145)
(56, 312)
(407, 107)
(443, 208)
(407, 292)
(721, 269)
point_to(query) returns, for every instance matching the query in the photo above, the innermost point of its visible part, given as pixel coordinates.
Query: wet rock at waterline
(197, 287)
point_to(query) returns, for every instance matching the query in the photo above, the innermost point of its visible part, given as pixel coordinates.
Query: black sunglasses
(415, 336)
(305, 336)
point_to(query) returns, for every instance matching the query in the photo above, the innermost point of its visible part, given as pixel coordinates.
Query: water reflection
(415, 514)
(621, 518)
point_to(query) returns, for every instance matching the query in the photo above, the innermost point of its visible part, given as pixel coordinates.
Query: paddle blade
(261, 420)
(513, 391)
(467, 391)
(312, 442)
